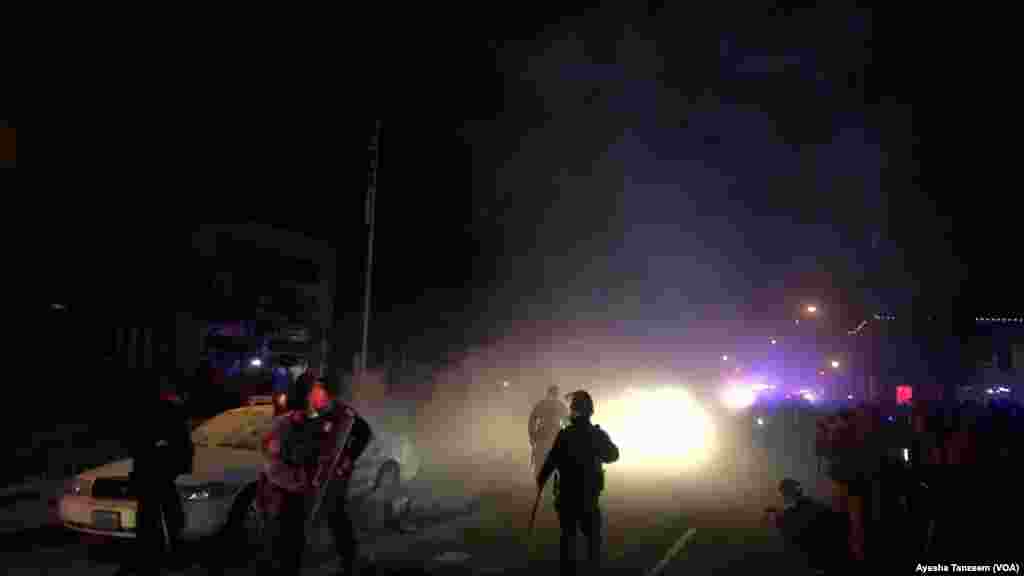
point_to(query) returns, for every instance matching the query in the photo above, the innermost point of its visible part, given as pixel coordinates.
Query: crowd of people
(310, 454)
(908, 485)
(918, 485)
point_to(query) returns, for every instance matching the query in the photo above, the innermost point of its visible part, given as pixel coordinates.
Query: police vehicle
(220, 492)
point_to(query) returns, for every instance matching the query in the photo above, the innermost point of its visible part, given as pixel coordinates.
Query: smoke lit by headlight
(738, 397)
(660, 429)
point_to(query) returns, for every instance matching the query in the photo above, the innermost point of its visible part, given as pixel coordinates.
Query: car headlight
(77, 487)
(211, 491)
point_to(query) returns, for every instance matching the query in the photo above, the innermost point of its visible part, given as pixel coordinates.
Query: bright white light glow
(504, 384)
(812, 309)
(835, 363)
(725, 358)
(256, 362)
(849, 396)
(658, 430)
(774, 341)
(760, 387)
(760, 422)
(738, 397)
(809, 396)
(906, 454)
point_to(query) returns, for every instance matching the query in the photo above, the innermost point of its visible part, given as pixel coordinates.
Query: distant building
(924, 354)
(893, 353)
(232, 295)
(996, 353)
(276, 286)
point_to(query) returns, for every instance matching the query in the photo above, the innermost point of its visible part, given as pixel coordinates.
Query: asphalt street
(471, 517)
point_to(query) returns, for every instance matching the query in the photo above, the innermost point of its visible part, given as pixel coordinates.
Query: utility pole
(371, 195)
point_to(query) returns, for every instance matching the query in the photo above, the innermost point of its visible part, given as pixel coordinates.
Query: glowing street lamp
(812, 309)
(725, 357)
(835, 363)
(774, 341)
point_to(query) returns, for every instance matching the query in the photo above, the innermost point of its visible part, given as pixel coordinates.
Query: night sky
(679, 176)
(690, 177)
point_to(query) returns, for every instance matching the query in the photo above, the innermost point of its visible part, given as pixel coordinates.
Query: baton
(163, 525)
(322, 489)
(533, 513)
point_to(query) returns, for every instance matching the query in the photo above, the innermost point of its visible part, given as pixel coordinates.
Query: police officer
(578, 454)
(287, 480)
(346, 436)
(161, 450)
(545, 422)
(340, 436)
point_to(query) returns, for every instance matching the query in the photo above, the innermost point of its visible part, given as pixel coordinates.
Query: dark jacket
(162, 445)
(813, 529)
(578, 454)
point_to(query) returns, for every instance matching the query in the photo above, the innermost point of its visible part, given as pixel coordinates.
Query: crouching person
(810, 528)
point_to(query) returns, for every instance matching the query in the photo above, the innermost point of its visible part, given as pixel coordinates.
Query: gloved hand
(345, 467)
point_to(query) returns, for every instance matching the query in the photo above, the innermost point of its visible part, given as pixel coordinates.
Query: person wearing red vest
(287, 487)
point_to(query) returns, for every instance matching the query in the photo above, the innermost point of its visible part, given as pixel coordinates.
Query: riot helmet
(581, 405)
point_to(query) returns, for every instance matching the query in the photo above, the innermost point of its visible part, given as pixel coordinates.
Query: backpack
(301, 441)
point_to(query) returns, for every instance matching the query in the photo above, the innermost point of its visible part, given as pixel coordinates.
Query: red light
(318, 398)
(904, 394)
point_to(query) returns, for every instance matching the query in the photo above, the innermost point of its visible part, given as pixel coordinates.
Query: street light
(725, 358)
(835, 363)
(774, 341)
(812, 309)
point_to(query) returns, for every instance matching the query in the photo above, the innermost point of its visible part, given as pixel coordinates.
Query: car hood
(210, 465)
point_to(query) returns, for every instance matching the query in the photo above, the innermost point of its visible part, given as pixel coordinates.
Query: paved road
(50, 549)
(471, 519)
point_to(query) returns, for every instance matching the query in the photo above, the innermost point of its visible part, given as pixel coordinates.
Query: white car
(220, 492)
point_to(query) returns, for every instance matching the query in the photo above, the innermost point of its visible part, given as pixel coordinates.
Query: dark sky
(682, 176)
(688, 175)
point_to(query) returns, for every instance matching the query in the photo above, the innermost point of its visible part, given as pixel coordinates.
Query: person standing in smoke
(579, 453)
(546, 420)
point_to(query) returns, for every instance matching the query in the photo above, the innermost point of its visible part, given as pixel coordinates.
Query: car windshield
(241, 428)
